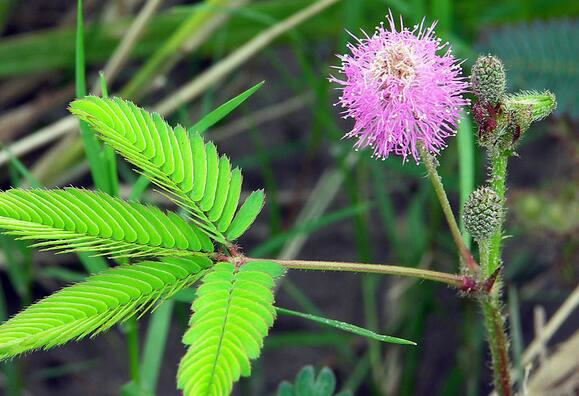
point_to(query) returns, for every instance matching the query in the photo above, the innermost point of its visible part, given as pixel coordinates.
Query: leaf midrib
(220, 344)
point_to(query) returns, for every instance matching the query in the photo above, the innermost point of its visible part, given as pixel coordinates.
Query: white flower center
(394, 61)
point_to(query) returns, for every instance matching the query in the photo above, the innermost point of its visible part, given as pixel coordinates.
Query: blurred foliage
(548, 211)
(540, 56)
(54, 48)
(307, 384)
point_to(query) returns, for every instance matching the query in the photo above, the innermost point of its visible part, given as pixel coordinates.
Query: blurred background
(324, 201)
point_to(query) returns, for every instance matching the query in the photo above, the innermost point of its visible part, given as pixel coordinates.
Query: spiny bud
(482, 213)
(488, 79)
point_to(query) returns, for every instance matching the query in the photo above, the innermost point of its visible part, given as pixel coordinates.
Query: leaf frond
(77, 220)
(92, 306)
(233, 312)
(198, 179)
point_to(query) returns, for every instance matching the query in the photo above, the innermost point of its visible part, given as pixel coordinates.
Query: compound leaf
(233, 312)
(92, 306)
(84, 221)
(178, 161)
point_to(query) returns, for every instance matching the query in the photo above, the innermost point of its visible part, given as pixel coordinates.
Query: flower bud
(483, 213)
(488, 79)
(526, 107)
(539, 104)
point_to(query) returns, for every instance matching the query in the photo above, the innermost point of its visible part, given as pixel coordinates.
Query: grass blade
(216, 115)
(20, 167)
(270, 245)
(218, 71)
(466, 167)
(346, 327)
(155, 346)
(165, 56)
(91, 145)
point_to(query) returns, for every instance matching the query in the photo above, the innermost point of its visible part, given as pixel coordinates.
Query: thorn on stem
(490, 282)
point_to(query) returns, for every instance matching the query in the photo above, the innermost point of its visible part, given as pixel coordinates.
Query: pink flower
(401, 87)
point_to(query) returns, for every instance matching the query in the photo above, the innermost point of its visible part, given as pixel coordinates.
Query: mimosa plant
(405, 91)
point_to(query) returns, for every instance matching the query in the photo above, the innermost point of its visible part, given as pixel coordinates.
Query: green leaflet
(177, 161)
(96, 304)
(233, 312)
(246, 215)
(79, 220)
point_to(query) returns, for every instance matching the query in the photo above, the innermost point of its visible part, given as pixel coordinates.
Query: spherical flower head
(401, 88)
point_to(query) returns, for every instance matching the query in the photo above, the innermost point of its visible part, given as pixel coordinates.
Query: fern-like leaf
(80, 220)
(177, 161)
(96, 304)
(540, 56)
(232, 314)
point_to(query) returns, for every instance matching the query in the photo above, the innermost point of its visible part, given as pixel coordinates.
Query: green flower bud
(526, 107)
(538, 104)
(483, 213)
(488, 79)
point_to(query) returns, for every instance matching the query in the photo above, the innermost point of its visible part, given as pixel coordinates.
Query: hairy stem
(490, 258)
(454, 280)
(430, 163)
(497, 339)
(497, 183)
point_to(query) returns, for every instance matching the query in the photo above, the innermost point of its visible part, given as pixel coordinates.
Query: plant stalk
(132, 340)
(490, 259)
(497, 183)
(454, 280)
(431, 164)
(498, 344)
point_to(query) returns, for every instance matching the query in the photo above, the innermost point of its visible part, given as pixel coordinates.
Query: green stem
(497, 183)
(498, 344)
(454, 280)
(431, 164)
(91, 145)
(132, 339)
(490, 259)
(484, 248)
